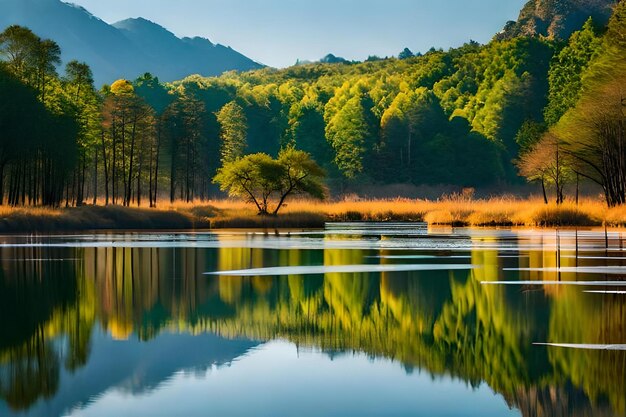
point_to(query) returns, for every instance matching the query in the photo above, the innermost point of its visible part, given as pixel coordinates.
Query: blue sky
(277, 32)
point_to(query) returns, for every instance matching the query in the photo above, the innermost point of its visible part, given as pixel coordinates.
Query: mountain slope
(132, 48)
(173, 58)
(557, 19)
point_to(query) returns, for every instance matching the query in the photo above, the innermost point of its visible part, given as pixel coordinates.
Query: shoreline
(234, 215)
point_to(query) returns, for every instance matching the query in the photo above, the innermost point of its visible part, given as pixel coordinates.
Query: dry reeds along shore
(505, 211)
(310, 214)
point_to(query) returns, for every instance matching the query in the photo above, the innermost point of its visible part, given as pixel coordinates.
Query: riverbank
(28, 219)
(459, 211)
(305, 214)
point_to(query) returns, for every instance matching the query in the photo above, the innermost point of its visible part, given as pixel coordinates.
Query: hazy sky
(277, 32)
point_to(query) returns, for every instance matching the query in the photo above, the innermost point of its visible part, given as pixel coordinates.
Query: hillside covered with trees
(473, 116)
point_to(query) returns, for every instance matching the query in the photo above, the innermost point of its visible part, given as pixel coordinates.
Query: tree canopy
(267, 182)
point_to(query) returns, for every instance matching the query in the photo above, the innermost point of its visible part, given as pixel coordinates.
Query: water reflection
(130, 312)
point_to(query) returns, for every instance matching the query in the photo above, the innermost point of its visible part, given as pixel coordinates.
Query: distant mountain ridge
(175, 58)
(125, 49)
(557, 19)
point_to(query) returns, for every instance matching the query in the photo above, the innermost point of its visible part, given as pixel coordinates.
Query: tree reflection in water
(441, 322)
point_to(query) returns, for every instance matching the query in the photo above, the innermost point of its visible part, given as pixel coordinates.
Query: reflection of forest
(443, 322)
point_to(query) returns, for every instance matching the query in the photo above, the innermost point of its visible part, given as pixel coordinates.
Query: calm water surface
(354, 320)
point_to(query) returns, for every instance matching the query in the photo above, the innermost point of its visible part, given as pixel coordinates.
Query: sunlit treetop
(122, 87)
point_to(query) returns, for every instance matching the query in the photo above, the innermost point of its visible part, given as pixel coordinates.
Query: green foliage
(390, 120)
(260, 179)
(78, 74)
(233, 124)
(30, 58)
(18, 48)
(300, 175)
(567, 69)
(306, 129)
(38, 126)
(529, 134)
(127, 141)
(378, 116)
(350, 132)
(153, 92)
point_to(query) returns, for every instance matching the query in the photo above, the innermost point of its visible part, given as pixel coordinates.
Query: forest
(527, 108)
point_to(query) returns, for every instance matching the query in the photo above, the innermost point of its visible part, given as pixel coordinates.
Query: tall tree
(79, 76)
(47, 57)
(18, 47)
(233, 132)
(351, 133)
(78, 81)
(131, 127)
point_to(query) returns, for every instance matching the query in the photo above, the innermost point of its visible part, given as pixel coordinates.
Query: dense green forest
(474, 116)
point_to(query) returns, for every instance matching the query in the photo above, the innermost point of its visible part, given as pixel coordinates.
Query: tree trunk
(173, 176)
(577, 188)
(95, 177)
(130, 164)
(106, 171)
(156, 166)
(114, 168)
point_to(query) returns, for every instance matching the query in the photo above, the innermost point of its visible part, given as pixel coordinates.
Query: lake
(354, 320)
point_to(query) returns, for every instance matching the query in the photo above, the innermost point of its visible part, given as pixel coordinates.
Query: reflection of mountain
(137, 367)
(442, 322)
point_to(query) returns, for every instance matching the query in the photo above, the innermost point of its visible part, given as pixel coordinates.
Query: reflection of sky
(133, 367)
(277, 380)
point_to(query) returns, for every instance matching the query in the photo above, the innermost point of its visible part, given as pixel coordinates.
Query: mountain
(126, 49)
(173, 58)
(557, 19)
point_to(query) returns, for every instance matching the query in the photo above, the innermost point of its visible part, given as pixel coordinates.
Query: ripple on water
(583, 346)
(336, 269)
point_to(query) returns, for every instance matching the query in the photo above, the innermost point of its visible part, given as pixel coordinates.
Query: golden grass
(37, 219)
(456, 210)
